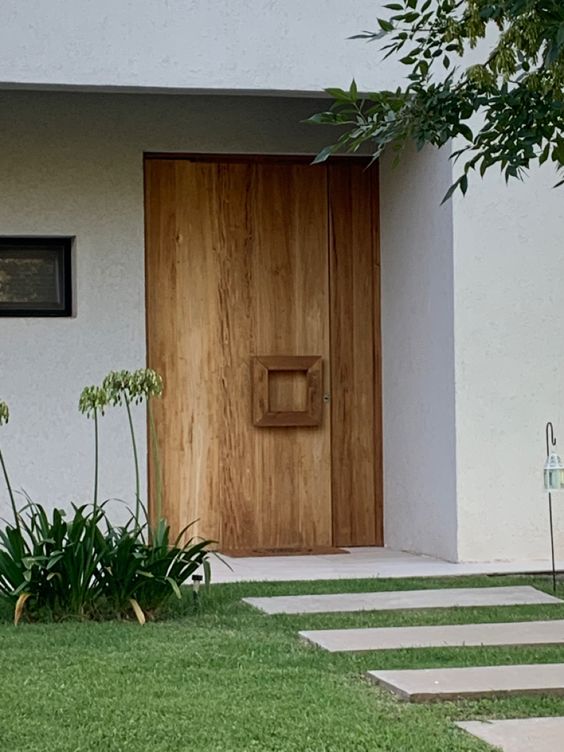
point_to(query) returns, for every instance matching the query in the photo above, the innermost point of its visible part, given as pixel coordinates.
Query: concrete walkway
(360, 563)
(473, 682)
(402, 599)
(521, 633)
(521, 734)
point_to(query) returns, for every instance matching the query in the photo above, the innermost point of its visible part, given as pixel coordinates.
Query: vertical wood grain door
(253, 262)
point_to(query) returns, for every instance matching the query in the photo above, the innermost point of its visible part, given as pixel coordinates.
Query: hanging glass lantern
(553, 473)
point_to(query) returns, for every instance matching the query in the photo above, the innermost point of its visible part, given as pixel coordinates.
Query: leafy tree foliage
(507, 109)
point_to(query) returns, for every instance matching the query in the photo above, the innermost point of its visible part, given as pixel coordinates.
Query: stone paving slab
(424, 685)
(406, 599)
(520, 735)
(362, 562)
(454, 635)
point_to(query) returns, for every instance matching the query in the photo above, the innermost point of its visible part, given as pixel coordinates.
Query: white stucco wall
(72, 164)
(418, 356)
(473, 364)
(509, 333)
(270, 45)
(472, 313)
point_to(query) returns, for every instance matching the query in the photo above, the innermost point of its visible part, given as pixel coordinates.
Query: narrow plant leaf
(174, 586)
(138, 611)
(207, 572)
(324, 154)
(18, 611)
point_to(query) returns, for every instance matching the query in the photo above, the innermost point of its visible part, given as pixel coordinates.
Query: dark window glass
(35, 277)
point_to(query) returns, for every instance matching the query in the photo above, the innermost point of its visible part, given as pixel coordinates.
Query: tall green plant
(4, 418)
(156, 461)
(146, 385)
(51, 562)
(168, 563)
(84, 566)
(129, 388)
(66, 555)
(93, 401)
(145, 576)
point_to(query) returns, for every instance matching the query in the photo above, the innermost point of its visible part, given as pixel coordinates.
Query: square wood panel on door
(267, 410)
(274, 256)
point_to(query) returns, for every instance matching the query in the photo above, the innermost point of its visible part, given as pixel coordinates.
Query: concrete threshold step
(520, 734)
(425, 685)
(454, 635)
(403, 599)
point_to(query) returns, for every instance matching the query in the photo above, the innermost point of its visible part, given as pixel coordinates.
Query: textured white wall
(418, 356)
(72, 164)
(509, 332)
(198, 44)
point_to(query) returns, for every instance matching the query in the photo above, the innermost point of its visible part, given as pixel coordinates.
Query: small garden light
(553, 473)
(196, 580)
(553, 481)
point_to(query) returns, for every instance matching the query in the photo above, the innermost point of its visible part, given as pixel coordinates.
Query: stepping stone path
(456, 635)
(407, 599)
(422, 685)
(520, 735)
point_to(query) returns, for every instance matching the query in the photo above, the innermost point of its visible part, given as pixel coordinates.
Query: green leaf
(324, 154)
(516, 86)
(450, 192)
(385, 25)
(544, 155)
(174, 587)
(321, 118)
(465, 131)
(558, 152)
(339, 94)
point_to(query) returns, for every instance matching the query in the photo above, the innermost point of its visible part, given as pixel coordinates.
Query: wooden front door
(263, 319)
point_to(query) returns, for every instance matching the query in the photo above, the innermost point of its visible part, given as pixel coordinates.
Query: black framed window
(35, 276)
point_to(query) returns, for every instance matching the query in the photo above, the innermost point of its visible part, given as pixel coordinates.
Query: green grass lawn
(232, 679)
